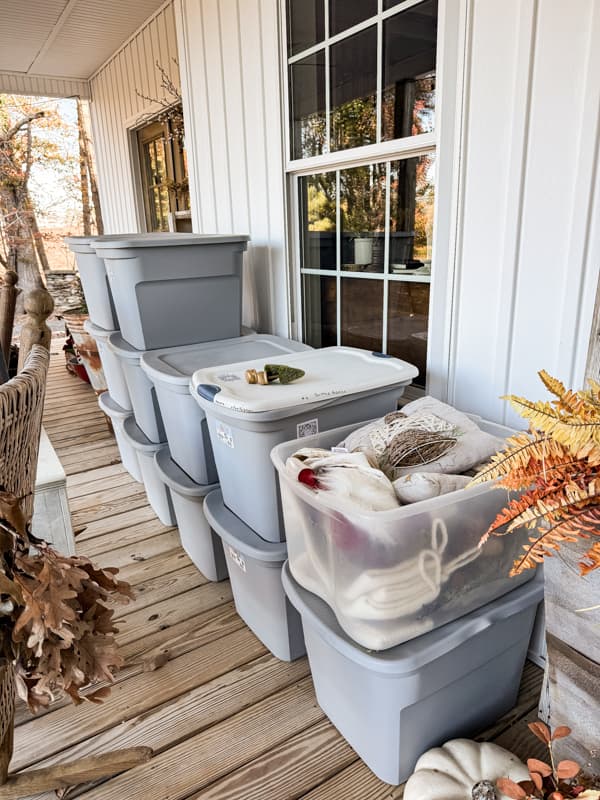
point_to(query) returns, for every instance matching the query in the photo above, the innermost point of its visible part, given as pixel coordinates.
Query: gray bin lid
(410, 656)
(85, 244)
(178, 480)
(177, 364)
(236, 533)
(126, 241)
(111, 408)
(332, 374)
(122, 348)
(95, 331)
(138, 439)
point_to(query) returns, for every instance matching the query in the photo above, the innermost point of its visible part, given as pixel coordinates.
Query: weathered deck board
(226, 719)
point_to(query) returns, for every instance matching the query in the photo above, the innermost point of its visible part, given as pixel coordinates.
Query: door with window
(163, 167)
(361, 89)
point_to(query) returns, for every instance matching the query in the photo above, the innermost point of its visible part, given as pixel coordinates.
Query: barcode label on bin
(308, 428)
(237, 559)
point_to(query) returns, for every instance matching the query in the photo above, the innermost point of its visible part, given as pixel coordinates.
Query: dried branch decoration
(55, 625)
(556, 466)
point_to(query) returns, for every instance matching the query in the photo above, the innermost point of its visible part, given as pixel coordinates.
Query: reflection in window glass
(318, 223)
(408, 314)
(412, 193)
(362, 313)
(306, 24)
(307, 106)
(319, 308)
(362, 207)
(353, 77)
(343, 14)
(409, 60)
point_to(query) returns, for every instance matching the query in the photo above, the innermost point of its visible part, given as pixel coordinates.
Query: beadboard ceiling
(66, 38)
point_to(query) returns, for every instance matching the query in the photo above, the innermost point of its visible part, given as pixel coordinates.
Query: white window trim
(447, 142)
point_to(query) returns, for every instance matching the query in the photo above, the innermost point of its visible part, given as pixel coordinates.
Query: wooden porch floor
(226, 719)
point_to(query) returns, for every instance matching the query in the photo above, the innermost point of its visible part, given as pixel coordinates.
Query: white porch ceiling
(64, 39)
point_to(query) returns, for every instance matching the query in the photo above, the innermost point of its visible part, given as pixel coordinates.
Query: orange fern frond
(551, 538)
(521, 450)
(576, 404)
(573, 432)
(591, 560)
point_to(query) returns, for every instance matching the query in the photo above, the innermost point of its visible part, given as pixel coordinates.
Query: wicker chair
(21, 408)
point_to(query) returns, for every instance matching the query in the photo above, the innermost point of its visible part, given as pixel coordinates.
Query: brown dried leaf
(541, 730)
(567, 769)
(535, 765)
(561, 732)
(511, 789)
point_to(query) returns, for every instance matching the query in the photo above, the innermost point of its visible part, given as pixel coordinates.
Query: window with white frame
(361, 91)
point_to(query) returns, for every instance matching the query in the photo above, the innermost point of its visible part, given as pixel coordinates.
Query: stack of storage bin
(414, 634)
(245, 421)
(157, 302)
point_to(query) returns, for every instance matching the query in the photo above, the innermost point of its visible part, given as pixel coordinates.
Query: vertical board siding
(232, 92)
(526, 261)
(116, 107)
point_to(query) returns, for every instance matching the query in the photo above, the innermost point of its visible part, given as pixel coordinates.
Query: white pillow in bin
(424, 485)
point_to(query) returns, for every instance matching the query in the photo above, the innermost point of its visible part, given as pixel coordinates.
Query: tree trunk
(36, 235)
(85, 193)
(90, 165)
(7, 718)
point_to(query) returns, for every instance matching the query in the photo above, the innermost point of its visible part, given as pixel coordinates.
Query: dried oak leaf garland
(55, 625)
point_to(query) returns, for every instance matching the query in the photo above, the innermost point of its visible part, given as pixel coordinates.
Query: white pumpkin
(452, 772)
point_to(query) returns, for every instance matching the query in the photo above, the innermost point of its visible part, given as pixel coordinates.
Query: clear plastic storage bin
(172, 289)
(393, 575)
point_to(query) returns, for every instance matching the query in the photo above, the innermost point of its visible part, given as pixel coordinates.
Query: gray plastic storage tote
(184, 421)
(139, 387)
(201, 544)
(157, 491)
(111, 365)
(392, 575)
(94, 281)
(118, 416)
(255, 574)
(175, 289)
(341, 385)
(454, 681)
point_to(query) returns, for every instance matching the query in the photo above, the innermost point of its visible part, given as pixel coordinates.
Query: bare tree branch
(12, 132)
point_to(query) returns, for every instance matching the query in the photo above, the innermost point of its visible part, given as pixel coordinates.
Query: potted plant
(556, 467)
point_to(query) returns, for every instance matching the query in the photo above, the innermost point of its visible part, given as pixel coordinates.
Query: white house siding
(528, 245)
(42, 85)
(230, 72)
(116, 108)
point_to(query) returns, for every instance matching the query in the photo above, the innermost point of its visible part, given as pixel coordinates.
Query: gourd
(463, 770)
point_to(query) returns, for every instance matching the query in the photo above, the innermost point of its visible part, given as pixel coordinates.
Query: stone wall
(65, 288)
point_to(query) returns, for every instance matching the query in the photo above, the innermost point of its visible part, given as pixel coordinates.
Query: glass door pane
(353, 76)
(362, 313)
(319, 305)
(362, 214)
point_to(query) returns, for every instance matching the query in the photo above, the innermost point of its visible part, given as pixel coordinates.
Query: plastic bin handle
(208, 391)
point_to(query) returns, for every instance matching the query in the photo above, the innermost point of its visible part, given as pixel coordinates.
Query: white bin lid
(95, 331)
(166, 240)
(122, 348)
(176, 365)
(178, 480)
(331, 373)
(111, 408)
(86, 244)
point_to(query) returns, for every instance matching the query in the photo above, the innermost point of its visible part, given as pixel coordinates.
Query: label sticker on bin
(309, 427)
(225, 435)
(237, 559)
